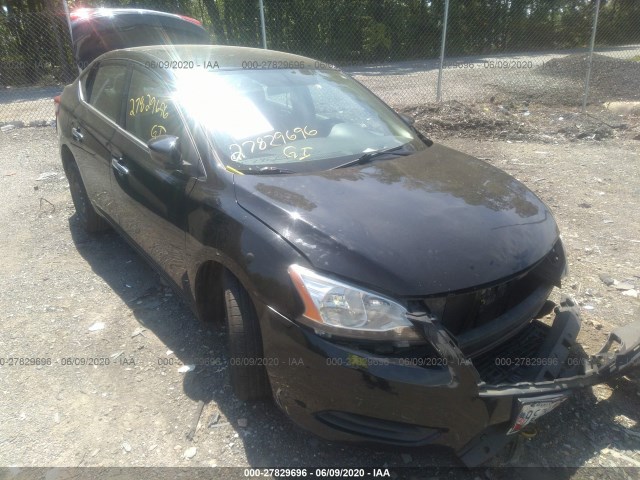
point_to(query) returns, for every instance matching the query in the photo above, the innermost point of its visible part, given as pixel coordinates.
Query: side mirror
(407, 119)
(165, 149)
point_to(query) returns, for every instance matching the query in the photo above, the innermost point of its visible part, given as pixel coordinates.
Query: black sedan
(382, 288)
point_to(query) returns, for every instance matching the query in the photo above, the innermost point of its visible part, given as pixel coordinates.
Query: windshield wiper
(265, 171)
(367, 157)
(428, 142)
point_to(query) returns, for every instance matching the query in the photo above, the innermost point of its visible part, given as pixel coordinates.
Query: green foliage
(376, 41)
(345, 31)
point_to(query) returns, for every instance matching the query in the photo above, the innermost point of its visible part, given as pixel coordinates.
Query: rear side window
(104, 89)
(86, 82)
(150, 111)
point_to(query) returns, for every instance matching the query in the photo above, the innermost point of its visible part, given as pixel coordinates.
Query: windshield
(293, 120)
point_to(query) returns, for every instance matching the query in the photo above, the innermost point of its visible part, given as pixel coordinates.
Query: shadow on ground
(271, 440)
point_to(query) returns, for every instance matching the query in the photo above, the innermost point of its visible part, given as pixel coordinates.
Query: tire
(89, 219)
(246, 367)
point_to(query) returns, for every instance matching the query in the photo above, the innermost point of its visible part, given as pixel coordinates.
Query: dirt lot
(66, 295)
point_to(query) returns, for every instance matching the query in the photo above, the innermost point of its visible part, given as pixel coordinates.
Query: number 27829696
(239, 151)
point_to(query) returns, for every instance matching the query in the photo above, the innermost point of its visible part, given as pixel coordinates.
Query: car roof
(81, 15)
(227, 57)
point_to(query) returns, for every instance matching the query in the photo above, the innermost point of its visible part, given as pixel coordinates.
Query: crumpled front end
(435, 394)
(538, 369)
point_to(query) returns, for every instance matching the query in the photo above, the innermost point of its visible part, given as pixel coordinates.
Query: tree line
(347, 31)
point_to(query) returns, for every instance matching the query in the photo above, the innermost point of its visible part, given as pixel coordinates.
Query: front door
(150, 197)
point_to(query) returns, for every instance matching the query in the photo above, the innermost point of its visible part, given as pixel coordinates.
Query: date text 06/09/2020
(318, 472)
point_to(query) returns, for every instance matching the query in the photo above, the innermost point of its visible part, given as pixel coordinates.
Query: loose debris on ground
(524, 121)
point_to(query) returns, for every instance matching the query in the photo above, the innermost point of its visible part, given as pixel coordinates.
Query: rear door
(150, 198)
(93, 125)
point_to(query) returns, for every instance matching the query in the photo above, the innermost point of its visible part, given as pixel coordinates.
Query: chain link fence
(514, 50)
(35, 64)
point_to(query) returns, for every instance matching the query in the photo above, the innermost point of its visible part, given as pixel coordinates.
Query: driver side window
(150, 111)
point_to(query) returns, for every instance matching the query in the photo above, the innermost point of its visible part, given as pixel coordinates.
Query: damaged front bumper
(565, 368)
(471, 405)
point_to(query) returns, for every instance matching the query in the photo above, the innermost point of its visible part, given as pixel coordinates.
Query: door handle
(119, 167)
(77, 134)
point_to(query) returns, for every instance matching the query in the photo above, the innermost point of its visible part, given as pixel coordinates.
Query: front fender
(219, 230)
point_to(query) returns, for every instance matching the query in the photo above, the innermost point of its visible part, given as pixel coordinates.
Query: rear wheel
(87, 216)
(248, 375)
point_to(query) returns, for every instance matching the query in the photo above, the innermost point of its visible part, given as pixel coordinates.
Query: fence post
(66, 74)
(585, 96)
(264, 28)
(442, 45)
(67, 17)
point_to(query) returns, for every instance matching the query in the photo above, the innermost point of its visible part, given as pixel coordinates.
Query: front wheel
(247, 371)
(88, 217)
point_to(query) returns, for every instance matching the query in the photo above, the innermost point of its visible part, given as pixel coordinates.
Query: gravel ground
(606, 75)
(552, 79)
(69, 295)
(560, 81)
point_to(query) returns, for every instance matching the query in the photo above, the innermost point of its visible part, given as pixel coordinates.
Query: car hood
(436, 221)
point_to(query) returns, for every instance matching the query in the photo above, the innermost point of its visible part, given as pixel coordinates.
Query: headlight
(336, 308)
